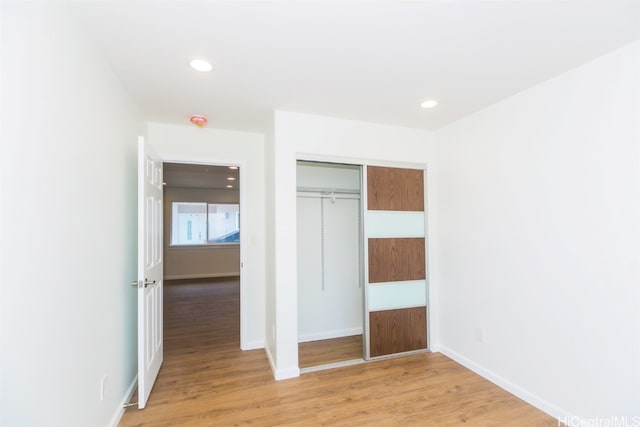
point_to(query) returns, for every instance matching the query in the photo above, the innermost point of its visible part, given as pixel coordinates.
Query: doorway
(202, 233)
(201, 221)
(329, 264)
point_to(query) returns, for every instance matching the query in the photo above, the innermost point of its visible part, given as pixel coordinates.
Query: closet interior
(329, 263)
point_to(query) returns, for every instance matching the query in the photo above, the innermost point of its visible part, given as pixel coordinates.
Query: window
(223, 223)
(204, 223)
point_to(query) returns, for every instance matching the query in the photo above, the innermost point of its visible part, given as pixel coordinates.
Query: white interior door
(150, 349)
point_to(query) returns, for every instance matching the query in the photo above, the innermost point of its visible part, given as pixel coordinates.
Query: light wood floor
(316, 353)
(207, 381)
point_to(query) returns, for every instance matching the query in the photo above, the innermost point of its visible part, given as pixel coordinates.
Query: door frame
(363, 163)
(244, 230)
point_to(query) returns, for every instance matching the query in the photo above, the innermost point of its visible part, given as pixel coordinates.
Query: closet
(329, 252)
(362, 261)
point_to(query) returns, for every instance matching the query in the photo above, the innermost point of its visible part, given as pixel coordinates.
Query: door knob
(149, 282)
(146, 282)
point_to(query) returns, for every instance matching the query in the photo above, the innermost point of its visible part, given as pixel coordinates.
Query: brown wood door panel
(397, 331)
(396, 259)
(394, 189)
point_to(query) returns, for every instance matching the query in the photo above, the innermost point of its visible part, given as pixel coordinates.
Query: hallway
(202, 355)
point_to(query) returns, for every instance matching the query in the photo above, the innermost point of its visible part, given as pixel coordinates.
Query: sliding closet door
(396, 261)
(328, 247)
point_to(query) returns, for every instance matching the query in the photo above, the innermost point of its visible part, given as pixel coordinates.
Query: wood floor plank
(322, 352)
(206, 380)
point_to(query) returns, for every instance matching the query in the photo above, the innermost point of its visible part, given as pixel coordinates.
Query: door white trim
(359, 161)
(244, 233)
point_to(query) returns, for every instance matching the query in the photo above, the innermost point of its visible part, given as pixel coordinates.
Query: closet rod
(330, 196)
(326, 191)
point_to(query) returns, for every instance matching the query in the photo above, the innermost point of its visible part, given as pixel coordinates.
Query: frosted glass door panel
(392, 295)
(382, 224)
(309, 235)
(329, 287)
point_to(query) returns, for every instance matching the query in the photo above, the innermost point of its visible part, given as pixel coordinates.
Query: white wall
(538, 209)
(176, 143)
(305, 136)
(69, 135)
(270, 344)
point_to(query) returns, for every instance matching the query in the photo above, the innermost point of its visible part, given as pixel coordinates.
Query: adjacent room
(320, 213)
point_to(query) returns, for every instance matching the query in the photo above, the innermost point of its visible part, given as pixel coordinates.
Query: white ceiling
(362, 60)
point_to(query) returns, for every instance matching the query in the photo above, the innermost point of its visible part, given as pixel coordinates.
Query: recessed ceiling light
(229, 186)
(201, 65)
(429, 103)
(233, 167)
(230, 178)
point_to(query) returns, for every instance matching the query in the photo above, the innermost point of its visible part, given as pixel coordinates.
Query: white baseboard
(281, 374)
(326, 335)
(285, 374)
(201, 276)
(252, 345)
(128, 394)
(270, 359)
(527, 396)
